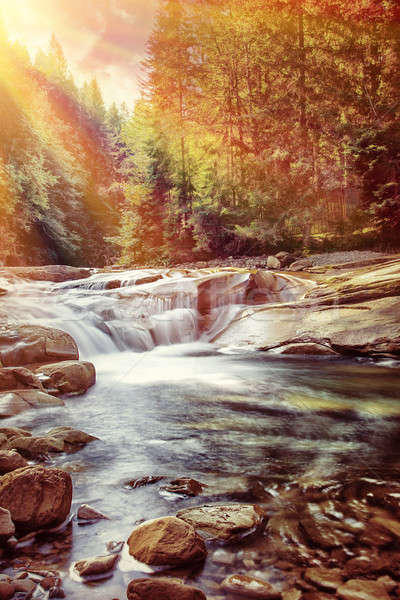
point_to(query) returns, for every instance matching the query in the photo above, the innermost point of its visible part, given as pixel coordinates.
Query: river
(168, 403)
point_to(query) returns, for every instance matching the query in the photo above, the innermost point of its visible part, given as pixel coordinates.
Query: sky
(102, 38)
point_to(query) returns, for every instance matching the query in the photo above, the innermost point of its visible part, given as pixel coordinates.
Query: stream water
(168, 403)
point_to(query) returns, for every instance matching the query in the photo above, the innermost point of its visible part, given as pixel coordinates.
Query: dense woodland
(262, 125)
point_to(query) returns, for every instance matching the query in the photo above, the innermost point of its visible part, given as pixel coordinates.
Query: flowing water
(168, 403)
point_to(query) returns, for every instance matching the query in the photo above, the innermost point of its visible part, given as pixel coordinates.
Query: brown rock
(11, 404)
(96, 565)
(184, 485)
(15, 378)
(87, 513)
(11, 460)
(162, 588)
(36, 446)
(273, 262)
(306, 348)
(11, 432)
(321, 530)
(25, 585)
(68, 377)
(147, 480)
(7, 590)
(38, 399)
(389, 526)
(225, 522)
(250, 587)
(388, 583)
(327, 579)
(166, 541)
(292, 595)
(36, 497)
(71, 436)
(362, 589)
(7, 527)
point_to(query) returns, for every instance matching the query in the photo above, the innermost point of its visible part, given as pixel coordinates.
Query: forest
(261, 126)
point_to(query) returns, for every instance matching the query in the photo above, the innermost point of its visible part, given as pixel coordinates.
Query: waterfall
(140, 309)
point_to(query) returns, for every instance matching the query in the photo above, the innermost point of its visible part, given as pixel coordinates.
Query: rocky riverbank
(316, 539)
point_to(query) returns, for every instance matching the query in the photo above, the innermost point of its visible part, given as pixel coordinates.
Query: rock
(224, 522)
(28, 344)
(7, 527)
(300, 265)
(10, 460)
(35, 446)
(292, 595)
(166, 541)
(184, 485)
(327, 579)
(15, 378)
(11, 404)
(249, 587)
(27, 586)
(7, 590)
(388, 583)
(323, 531)
(37, 399)
(68, 377)
(162, 588)
(387, 525)
(285, 258)
(273, 262)
(88, 513)
(362, 589)
(36, 497)
(10, 432)
(71, 436)
(306, 348)
(148, 279)
(148, 480)
(55, 273)
(97, 565)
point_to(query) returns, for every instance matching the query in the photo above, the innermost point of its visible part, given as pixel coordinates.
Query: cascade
(140, 309)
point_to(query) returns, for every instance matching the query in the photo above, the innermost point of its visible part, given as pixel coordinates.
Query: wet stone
(185, 486)
(88, 513)
(162, 589)
(361, 589)
(327, 579)
(224, 522)
(97, 565)
(250, 587)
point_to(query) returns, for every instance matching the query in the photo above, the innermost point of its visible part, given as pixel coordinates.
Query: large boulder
(36, 497)
(225, 522)
(166, 541)
(29, 344)
(67, 377)
(162, 588)
(35, 447)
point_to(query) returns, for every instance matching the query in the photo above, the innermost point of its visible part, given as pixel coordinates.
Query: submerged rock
(250, 587)
(362, 589)
(162, 588)
(327, 579)
(97, 565)
(166, 541)
(36, 497)
(185, 486)
(68, 377)
(88, 513)
(225, 522)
